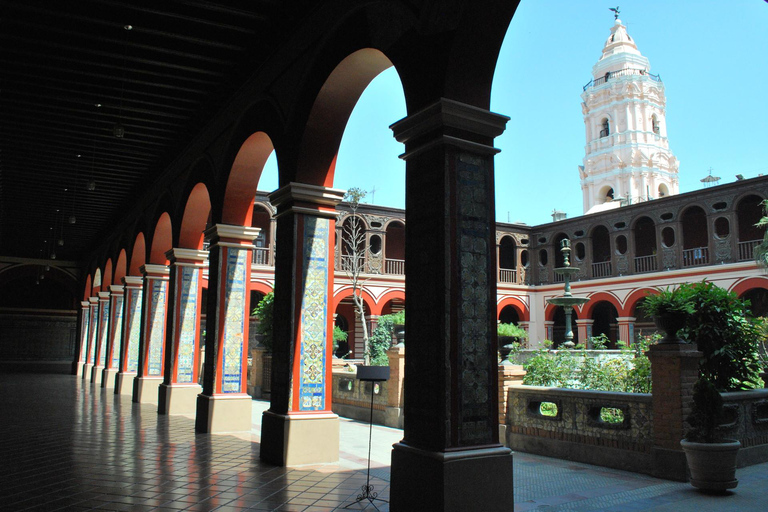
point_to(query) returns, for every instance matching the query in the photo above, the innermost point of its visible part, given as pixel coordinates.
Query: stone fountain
(567, 300)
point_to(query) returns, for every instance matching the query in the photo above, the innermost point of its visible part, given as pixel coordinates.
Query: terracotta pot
(712, 465)
(670, 324)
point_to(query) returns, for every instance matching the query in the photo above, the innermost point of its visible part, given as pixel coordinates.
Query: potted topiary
(711, 457)
(340, 345)
(669, 308)
(508, 335)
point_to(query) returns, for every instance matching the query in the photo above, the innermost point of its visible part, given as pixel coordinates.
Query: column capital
(307, 199)
(133, 281)
(180, 256)
(232, 234)
(93, 301)
(449, 122)
(584, 321)
(625, 318)
(103, 296)
(155, 271)
(116, 289)
(85, 304)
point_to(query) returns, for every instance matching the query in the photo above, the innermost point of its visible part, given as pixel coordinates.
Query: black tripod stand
(370, 374)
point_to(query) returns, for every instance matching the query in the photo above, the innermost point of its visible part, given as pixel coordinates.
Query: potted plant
(670, 309)
(711, 457)
(398, 325)
(508, 335)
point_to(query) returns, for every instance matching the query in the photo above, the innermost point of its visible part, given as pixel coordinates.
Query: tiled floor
(65, 445)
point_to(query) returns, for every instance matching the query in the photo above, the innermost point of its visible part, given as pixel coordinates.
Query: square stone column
(300, 427)
(130, 336)
(451, 440)
(224, 405)
(179, 390)
(584, 328)
(103, 336)
(674, 370)
(115, 329)
(82, 352)
(93, 327)
(152, 339)
(626, 328)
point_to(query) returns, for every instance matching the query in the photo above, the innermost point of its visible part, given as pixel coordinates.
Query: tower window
(655, 124)
(606, 128)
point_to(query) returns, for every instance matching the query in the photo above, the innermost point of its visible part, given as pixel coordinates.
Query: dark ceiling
(70, 72)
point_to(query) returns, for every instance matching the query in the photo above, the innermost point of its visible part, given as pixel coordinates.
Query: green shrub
(381, 338)
(512, 331)
(263, 311)
(729, 340)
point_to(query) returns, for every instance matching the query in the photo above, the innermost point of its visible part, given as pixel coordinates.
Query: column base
(87, 371)
(178, 398)
(77, 368)
(223, 413)
(124, 383)
(296, 439)
(108, 378)
(96, 374)
(479, 479)
(145, 389)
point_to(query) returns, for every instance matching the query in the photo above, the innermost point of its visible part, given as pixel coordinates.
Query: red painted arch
(261, 288)
(586, 309)
(87, 292)
(162, 240)
(106, 279)
(138, 255)
(244, 179)
(347, 292)
(749, 283)
(633, 298)
(522, 310)
(120, 267)
(330, 112)
(195, 217)
(386, 298)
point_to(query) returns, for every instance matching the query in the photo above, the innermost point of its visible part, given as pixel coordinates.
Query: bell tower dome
(627, 157)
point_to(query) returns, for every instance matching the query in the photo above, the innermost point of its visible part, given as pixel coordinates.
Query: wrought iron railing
(695, 257)
(645, 263)
(601, 269)
(747, 250)
(622, 72)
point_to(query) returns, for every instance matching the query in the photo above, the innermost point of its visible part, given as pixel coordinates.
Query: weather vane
(615, 12)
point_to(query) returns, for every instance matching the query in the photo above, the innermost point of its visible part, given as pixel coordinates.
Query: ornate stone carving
(669, 259)
(722, 250)
(622, 264)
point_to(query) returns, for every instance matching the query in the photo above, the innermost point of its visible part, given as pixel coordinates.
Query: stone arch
(516, 303)
(88, 287)
(346, 292)
(195, 217)
(107, 279)
(748, 213)
(587, 309)
(634, 298)
(243, 179)
(693, 221)
(386, 300)
(744, 285)
(121, 267)
(138, 255)
(162, 240)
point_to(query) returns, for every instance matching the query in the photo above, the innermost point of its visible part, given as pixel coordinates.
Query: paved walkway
(65, 445)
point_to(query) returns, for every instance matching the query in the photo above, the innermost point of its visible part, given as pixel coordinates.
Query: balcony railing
(602, 269)
(622, 72)
(645, 263)
(394, 267)
(695, 257)
(747, 250)
(261, 256)
(507, 275)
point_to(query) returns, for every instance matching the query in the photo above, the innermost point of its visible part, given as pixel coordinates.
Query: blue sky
(712, 56)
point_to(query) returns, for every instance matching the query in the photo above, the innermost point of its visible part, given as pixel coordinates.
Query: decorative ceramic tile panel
(157, 327)
(474, 256)
(118, 304)
(314, 311)
(134, 332)
(104, 334)
(93, 335)
(84, 340)
(188, 284)
(234, 322)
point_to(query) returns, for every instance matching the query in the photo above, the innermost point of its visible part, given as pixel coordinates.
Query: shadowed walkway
(66, 445)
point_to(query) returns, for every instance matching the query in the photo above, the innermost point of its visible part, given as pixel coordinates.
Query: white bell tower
(627, 157)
